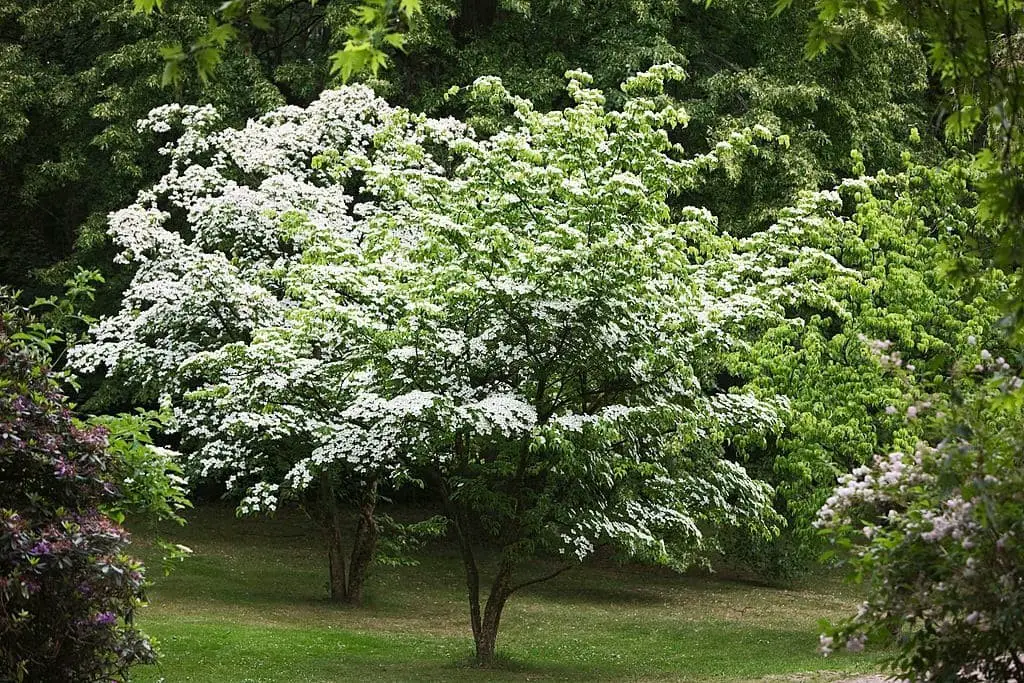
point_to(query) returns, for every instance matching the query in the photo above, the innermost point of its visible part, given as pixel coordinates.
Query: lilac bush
(67, 588)
(937, 535)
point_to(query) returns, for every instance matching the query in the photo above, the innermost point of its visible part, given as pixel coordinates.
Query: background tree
(745, 68)
(868, 260)
(975, 52)
(70, 159)
(78, 75)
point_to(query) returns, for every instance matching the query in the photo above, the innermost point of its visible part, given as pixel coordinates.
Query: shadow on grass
(553, 591)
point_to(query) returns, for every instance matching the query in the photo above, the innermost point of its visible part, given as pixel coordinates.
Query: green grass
(250, 606)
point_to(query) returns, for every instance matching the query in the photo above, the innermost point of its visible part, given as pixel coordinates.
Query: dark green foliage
(745, 67)
(75, 76)
(71, 154)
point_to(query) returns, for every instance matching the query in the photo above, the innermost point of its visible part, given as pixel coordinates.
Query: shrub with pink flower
(938, 537)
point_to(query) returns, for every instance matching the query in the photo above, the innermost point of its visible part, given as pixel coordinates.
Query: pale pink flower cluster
(874, 485)
(953, 521)
(881, 349)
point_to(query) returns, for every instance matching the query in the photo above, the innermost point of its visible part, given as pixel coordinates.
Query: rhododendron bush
(68, 589)
(351, 297)
(937, 534)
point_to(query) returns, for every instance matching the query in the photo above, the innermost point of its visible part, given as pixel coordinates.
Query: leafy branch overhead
(376, 27)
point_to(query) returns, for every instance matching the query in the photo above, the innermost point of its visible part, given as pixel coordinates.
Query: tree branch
(541, 579)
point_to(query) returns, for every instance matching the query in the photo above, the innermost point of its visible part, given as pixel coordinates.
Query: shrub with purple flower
(67, 587)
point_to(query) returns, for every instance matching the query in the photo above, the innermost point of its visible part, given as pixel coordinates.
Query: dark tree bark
(347, 571)
(460, 523)
(487, 639)
(364, 545)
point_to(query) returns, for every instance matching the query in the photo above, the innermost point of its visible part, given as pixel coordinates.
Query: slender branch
(541, 579)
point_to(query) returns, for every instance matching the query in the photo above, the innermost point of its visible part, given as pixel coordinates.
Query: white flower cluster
(261, 498)
(875, 486)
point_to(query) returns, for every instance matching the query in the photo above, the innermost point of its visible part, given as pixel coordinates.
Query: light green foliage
(150, 477)
(374, 28)
(976, 51)
(890, 240)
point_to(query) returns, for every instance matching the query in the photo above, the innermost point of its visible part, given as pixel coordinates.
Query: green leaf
(378, 59)
(395, 40)
(219, 34)
(353, 59)
(410, 8)
(367, 15)
(172, 53)
(171, 74)
(207, 60)
(147, 6)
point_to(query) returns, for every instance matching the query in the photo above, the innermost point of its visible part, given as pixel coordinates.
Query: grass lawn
(250, 606)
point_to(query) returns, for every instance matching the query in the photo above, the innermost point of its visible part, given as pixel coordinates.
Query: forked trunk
(487, 637)
(364, 545)
(348, 571)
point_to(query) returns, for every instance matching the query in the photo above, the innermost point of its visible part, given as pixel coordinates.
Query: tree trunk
(462, 533)
(334, 536)
(364, 545)
(348, 573)
(487, 637)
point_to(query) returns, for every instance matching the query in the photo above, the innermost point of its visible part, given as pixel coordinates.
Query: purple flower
(43, 547)
(63, 469)
(104, 618)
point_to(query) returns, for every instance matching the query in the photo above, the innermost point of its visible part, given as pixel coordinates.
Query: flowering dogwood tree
(222, 246)
(551, 345)
(350, 296)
